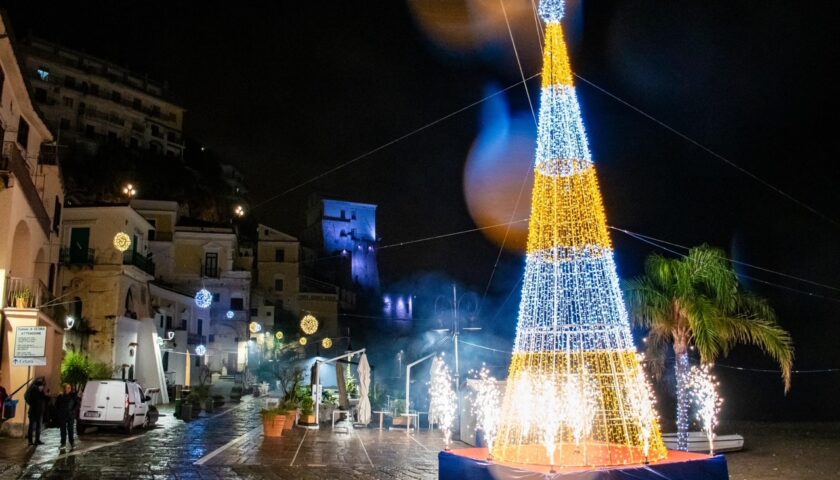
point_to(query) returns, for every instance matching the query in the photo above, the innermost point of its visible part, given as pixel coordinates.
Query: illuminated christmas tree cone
(576, 394)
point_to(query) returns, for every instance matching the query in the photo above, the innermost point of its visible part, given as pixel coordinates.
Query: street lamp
(239, 211)
(467, 304)
(129, 190)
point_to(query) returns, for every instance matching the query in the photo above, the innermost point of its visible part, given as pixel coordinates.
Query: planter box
(307, 420)
(273, 426)
(290, 420)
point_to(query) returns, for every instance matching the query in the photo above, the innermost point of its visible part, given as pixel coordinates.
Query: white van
(115, 403)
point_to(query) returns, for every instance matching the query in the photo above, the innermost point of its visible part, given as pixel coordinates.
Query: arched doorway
(21, 265)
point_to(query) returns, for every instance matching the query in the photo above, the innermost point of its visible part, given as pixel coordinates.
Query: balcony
(16, 164)
(209, 270)
(133, 258)
(28, 293)
(76, 256)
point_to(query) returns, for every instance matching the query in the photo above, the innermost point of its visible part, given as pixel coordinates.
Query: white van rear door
(116, 401)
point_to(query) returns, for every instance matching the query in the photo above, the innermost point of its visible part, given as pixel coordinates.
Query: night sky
(288, 90)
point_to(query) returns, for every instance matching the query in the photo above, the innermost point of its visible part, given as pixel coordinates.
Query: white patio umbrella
(364, 387)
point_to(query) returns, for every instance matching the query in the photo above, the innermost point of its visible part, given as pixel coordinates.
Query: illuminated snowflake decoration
(254, 327)
(203, 298)
(200, 350)
(122, 241)
(278, 335)
(442, 400)
(229, 315)
(303, 341)
(327, 343)
(703, 391)
(309, 324)
(69, 322)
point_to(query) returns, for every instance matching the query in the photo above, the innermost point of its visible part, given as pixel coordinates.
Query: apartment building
(90, 100)
(31, 195)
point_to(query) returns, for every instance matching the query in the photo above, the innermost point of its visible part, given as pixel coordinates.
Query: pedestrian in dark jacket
(65, 413)
(36, 398)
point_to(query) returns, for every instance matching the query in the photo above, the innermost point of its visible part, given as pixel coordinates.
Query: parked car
(115, 403)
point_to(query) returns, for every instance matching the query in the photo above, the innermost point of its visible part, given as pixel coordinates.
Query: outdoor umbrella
(342, 385)
(364, 386)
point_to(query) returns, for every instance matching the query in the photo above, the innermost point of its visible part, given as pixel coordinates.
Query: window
(216, 297)
(254, 312)
(343, 214)
(156, 131)
(353, 214)
(90, 131)
(151, 235)
(197, 361)
(237, 304)
(199, 326)
(278, 284)
(169, 322)
(69, 81)
(211, 264)
(43, 73)
(40, 95)
(280, 255)
(94, 89)
(67, 101)
(161, 320)
(82, 108)
(64, 124)
(56, 215)
(23, 133)
(211, 338)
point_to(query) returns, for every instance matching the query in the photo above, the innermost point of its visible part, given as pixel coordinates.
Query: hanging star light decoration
(309, 324)
(442, 400)
(254, 327)
(327, 343)
(278, 335)
(573, 331)
(203, 298)
(122, 241)
(303, 341)
(703, 392)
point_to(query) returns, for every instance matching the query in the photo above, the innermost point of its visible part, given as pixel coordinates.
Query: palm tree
(697, 301)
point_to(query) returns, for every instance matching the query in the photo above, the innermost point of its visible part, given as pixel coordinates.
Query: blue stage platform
(466, 464)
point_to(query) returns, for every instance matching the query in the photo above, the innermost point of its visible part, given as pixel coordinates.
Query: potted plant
(291, 409)
(274, 419)
(22, 298)
(186, 409)
(307, 411)
(236, 393)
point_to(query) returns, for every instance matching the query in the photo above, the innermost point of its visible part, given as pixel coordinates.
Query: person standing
(65, 413)
(37, 400)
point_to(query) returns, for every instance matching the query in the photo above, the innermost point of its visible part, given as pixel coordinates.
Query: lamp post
(455, 306)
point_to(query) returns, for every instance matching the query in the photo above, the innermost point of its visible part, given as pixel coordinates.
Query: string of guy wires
(540, 41)
(523, 82)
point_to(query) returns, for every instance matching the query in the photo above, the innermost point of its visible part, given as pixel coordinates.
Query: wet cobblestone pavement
(228, 445)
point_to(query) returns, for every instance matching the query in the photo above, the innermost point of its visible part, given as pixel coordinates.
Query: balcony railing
(27, 293)
(17, 165)
(76, 256)
(133, 258)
